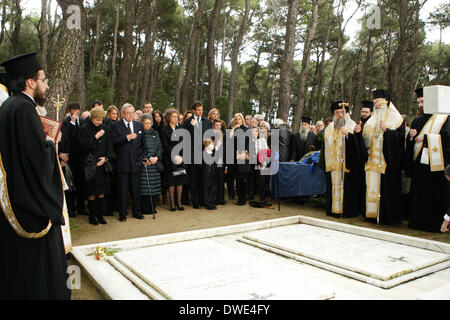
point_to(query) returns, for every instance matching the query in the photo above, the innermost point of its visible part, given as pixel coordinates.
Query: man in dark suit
(128, 140)
(196, 125)
(69, 167)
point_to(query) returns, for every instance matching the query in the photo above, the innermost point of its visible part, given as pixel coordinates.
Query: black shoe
(180, 208)
(222, 203)
(211, 208)
(139, 217)
(72, 214)
(173, 209)
(241, 203)
(92, 220)
(122, 219)
(101, 220)
(196, 206)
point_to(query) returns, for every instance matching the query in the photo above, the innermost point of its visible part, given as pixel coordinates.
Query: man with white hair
(341, 154)
(128, 140)
(384, 135)
(303, 141)
(259, 118)
(285, 139)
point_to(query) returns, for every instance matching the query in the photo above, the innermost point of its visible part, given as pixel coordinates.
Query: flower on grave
(100, 253)
(103, 253)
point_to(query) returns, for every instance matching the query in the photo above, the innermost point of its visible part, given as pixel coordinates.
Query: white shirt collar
(131, 124)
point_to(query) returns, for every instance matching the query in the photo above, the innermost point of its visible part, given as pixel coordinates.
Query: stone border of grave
(127, 286)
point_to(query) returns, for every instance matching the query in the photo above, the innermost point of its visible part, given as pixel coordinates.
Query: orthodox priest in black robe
(341, 155)
(366, 112)
(384, 137)
(428, 153)
(304, 141)
(33, 262)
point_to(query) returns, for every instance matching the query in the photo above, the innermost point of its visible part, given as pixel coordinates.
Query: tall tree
(299, 106)
(64, 72)
(123, 85)
(234, 59)
(114, 53)
(43, 35)
(211, 54)
(287, 61)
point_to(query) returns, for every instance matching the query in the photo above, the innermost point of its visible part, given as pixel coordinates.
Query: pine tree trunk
(114, 54)
(305, 68)
(123, 78)
(67, 66)
(212, 26)
(234, 60)
(287, 61)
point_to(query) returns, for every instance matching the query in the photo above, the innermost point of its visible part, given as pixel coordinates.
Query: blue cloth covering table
(297, 179)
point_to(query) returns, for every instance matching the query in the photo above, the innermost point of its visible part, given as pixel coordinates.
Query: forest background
(281, 58)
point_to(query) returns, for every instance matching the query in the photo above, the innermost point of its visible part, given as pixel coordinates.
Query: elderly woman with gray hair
(150, 179)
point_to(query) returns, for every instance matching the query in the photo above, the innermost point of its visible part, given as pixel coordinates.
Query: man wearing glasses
(33, 263)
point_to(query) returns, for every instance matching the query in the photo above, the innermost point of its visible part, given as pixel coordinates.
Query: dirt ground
(194, 219)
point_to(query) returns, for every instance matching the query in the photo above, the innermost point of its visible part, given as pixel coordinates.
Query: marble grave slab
(214, 268)
(377, 259)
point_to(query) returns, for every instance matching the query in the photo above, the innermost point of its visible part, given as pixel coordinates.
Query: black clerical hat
(20, 65)
(367, 104)
(380, 93)
(306, 119)
(337, 105)
(419, 93)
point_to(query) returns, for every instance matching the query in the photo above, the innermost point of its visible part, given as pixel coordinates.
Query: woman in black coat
(96, 150)
(150, 174)
(241, 154)
(174, 164)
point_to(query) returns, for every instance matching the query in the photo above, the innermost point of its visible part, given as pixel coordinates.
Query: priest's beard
(338, 123)
(39, 98)
(304, 133)
(364, 120)
(379, 113)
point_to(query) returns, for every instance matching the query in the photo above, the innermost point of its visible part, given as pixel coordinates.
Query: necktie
(129, 128)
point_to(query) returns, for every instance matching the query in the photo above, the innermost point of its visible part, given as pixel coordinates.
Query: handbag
(179, 172)
(109, 167)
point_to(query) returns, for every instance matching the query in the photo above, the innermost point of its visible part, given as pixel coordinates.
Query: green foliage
(161, 100)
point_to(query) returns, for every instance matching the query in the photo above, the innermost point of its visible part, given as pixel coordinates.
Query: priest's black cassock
(429, 200)
(300, 147)
(30, 268)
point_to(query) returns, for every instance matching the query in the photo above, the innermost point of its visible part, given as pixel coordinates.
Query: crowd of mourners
(115, 158)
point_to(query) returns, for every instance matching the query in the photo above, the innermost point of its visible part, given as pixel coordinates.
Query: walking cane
(149, 192)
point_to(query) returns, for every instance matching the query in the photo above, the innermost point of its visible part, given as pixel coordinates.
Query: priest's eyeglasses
(45, 80)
